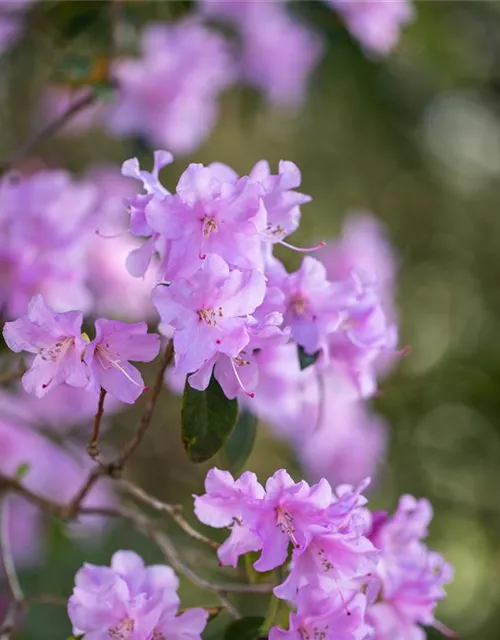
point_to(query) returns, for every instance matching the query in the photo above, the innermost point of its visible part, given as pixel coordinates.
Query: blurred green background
(416, 139)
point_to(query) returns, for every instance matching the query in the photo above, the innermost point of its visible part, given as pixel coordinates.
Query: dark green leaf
(241, 442)
(306, 360)
(208, 418)
(244, 629)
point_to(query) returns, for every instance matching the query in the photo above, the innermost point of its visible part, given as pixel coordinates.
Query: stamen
(447, 633)
(105, 357)
(249, 393)
(111, 237)
(302, 249)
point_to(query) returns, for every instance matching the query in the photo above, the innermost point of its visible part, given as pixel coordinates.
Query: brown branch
(93, 447)
(147, 416)
(114, 468)
(173, 510)
(45, 134)
(143, 524)
(7, 561)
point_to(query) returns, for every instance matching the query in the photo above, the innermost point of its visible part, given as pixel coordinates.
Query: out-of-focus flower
(364, 248)
(170, 94)
(344, 443)
(107, 357)
(115, 291)
(44, 249)
(375, 23)
(56, 340)
(130, 600)
(278, 53)
(409, 579)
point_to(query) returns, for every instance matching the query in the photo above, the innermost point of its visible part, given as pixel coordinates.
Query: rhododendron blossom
(108, 354)
(209, 311)
(130, 600)
(169, 95)
(56, 340)
(65, 355)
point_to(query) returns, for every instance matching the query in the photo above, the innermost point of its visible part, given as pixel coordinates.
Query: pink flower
(278, 53)
(338, 552)
(209, 214)
(130, 600)
(227, 503)
(282, 203)
(108, 354)
(329, 616)
(115, 291)
(138, 260)
(363, 335)
(56, 340)
(364, 248)
(347, 441)
(239, 376)
(209, 312)
(376, 24)
(409, 578)
(314, 305)
(44, 249)
(169, 95)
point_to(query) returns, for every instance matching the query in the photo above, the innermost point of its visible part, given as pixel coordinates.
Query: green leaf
(207, 418)
(244, 629)
(241, 442)
(77, 637)
(22, 470)
(306, 360)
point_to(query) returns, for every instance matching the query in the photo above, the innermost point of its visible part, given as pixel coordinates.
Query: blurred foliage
(416, 139)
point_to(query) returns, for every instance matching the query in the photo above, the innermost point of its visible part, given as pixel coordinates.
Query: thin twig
(45, 134)
(92, 447)
(141, 523)
(9, 568)
(173, 510)
(147, 416)
(47, 598)
(114, 468)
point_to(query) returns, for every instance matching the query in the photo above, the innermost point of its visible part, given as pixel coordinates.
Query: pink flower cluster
(351, 575)
(65, 355)
(169, 94)
(130, 600)
(228, 303)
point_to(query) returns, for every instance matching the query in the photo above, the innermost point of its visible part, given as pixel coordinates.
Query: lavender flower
(169, 95)
(56, 340)
(130, 600)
